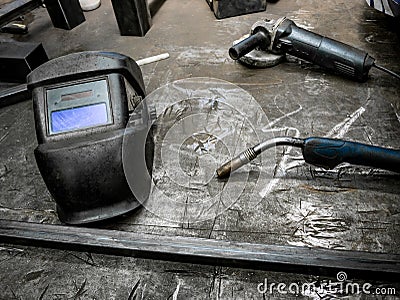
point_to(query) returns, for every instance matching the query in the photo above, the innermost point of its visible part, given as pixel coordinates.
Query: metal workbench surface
(348, 208)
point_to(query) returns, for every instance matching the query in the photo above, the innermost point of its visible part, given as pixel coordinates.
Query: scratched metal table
(283, 201)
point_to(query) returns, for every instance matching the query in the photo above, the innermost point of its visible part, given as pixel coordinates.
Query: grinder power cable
(284, 36)
(321, 152)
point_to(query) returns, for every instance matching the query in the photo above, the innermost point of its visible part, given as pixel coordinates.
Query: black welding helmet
(82, 103)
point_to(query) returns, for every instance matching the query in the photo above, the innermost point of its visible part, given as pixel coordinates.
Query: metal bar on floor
(291, 259)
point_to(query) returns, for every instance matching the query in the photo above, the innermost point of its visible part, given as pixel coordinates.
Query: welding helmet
(82, 103)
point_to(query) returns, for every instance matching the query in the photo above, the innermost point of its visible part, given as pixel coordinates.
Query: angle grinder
(273, 39)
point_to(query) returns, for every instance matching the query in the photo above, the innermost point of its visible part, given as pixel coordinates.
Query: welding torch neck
(278, 141)
(252, 152)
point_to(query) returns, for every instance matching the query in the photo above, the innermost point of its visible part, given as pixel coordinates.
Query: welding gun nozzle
(243, 158)
(224, 171)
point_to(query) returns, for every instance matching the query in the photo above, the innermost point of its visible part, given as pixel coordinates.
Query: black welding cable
(387, 71)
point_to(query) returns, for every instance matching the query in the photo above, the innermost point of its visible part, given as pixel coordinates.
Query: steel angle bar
(292, 259)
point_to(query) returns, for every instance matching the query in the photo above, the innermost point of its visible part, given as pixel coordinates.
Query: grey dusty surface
(281, 200)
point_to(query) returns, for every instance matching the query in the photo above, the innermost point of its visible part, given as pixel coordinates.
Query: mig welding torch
(321, 152)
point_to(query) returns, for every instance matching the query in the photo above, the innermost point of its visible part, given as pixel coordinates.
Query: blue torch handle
(328, 153)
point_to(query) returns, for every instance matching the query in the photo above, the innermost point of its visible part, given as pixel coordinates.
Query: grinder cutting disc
(259, 58)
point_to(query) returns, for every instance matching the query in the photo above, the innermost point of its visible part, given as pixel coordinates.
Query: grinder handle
(258, 39)
(328, 153)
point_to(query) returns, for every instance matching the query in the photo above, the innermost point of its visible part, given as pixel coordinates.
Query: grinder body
(323, 51)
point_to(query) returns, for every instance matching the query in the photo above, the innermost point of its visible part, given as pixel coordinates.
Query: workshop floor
(350, 208)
